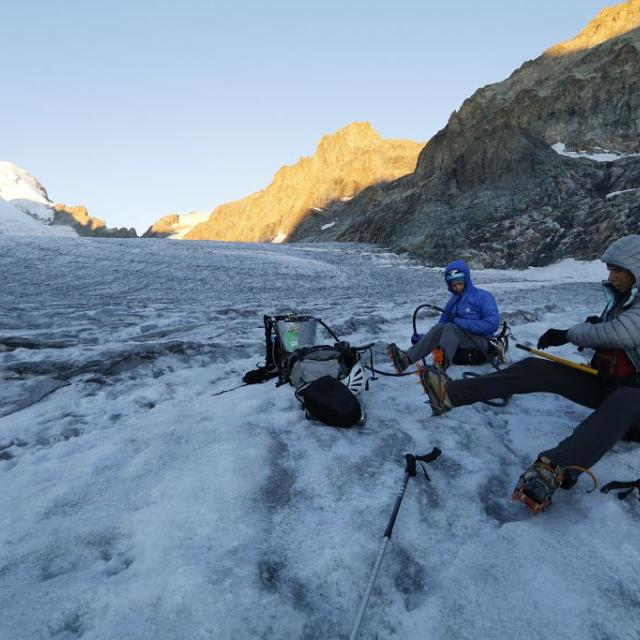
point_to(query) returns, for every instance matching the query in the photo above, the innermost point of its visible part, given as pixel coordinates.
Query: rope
(219, 393)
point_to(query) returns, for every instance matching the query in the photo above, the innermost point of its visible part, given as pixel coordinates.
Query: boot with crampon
(398, 357)
(434, 382)
(537, 485)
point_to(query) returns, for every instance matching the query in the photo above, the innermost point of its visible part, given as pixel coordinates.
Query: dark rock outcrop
(85, 225)
(489, 187)
(162, 228)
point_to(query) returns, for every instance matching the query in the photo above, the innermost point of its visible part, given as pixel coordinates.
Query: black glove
(552, 338)
(593, 320)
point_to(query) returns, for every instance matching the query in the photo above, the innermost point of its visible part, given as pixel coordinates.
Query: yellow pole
(568, 363)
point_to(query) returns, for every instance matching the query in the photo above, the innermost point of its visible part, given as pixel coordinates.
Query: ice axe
(568, 363)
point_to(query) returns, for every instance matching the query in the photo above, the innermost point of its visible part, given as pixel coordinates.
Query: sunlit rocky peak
(609, 23)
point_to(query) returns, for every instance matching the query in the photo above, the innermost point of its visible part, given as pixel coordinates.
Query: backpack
(328, 400)
(326, 377)
(496, 353)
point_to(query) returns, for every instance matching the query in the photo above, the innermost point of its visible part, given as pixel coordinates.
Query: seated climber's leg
(561, 466)
(531, 375)
(402, 359)
(427, 344)
(618, 414)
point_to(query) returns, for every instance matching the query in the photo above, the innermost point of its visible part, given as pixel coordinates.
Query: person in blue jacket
(469, 319)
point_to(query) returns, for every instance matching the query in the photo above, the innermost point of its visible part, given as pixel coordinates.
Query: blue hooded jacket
(474, 310)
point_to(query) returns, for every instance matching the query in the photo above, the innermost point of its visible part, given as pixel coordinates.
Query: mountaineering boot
(537, 485)
(439, 359)
(434, 381)
(399, 358)
(497, 351)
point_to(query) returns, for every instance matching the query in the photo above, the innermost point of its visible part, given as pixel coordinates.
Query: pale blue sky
(139, 109)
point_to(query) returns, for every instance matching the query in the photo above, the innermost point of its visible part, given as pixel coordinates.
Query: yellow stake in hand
(568, 363)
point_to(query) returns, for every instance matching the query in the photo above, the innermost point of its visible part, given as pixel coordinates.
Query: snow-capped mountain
(23, 192)
(25, 209)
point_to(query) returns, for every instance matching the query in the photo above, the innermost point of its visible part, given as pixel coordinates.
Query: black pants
(616, 415)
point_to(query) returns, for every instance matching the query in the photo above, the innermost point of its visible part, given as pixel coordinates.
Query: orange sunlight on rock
(609, 23)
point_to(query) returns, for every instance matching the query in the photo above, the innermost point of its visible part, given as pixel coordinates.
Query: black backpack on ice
(328, 400)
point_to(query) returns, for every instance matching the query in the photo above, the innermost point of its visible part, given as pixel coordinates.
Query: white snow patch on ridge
(604, 156)
(188, 222)
(613, 194)
(327, 226)
(568, 270)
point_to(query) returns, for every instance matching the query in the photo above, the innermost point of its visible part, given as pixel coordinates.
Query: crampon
(536, 486)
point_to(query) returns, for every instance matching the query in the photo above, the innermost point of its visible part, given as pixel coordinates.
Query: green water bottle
(291, 339)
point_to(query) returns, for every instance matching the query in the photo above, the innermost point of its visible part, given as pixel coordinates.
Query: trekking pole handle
(411, 460)
(430, 457)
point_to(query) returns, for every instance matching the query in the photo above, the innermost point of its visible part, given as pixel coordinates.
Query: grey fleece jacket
(620, 327)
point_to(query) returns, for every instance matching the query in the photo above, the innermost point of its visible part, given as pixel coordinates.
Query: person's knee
(535, 365)
(526, 363)
(626, 399)
(435, 332)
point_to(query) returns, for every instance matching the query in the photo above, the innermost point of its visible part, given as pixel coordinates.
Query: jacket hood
(625, 253)
(462, 266)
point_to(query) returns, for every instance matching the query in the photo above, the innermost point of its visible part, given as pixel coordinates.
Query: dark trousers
(616, 415)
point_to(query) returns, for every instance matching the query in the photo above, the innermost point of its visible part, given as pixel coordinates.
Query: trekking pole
(409, 471)
(564, 361)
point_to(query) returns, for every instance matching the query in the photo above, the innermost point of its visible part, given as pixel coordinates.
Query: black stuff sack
(328, 400)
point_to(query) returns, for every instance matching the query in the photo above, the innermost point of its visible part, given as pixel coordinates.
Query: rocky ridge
(21, 192)
(493, 188)
(175, 226)
(79, 219)
(344, 163)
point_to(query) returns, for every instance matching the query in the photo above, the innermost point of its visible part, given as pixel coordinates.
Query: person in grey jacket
(615, 397)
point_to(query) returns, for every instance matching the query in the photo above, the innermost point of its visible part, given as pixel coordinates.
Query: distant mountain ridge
(25, 201)
(79, 219)
(610, 23)
(344, 163)
(492, 187)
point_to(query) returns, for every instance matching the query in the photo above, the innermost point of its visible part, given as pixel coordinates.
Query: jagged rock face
(608, 24)
(163, 227)
(490, 188)
(85, 225)
(344, 163)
